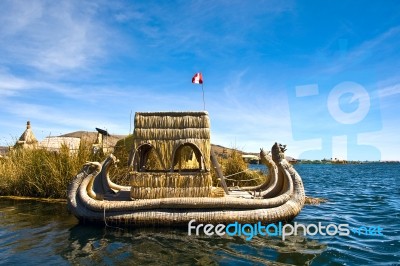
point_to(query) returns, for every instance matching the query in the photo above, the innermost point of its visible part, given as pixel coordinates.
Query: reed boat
(171, 182)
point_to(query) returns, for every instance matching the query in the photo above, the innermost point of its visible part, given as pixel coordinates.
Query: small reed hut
(27, 139)
(171, 155)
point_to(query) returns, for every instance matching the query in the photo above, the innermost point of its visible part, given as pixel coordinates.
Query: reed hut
(56, 143)
(27, 140)
(171, 155)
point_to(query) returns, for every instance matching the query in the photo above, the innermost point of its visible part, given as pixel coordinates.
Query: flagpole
(198, 79)
(204, 103)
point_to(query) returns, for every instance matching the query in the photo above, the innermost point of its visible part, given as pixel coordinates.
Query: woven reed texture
(167, 131)
(170, 185)
(179, 211)
(282, 198)
(284, 205)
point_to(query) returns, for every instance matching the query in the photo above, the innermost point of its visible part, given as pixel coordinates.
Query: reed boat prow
(171, 184)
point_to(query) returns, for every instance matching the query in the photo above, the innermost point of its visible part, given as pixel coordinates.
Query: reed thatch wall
(55, 143)
(167, 131)
(170, 185)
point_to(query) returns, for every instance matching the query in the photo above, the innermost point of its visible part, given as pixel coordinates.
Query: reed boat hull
(93, 198)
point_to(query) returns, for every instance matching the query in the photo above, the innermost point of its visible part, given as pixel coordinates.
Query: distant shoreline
(345, 162)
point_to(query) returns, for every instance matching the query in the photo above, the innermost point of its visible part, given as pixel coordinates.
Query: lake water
(359, 195)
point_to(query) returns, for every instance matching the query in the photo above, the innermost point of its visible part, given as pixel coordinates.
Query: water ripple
(358, 195)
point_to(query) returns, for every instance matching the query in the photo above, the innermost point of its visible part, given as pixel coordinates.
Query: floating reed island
(171, 182)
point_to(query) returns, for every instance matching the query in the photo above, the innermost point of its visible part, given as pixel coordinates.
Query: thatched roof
(27, 138)
(167, 131)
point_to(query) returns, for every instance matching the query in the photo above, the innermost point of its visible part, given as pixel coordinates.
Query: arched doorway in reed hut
(146, 158)
(187, 157)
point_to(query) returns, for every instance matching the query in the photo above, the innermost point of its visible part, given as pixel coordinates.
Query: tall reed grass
(46, 174)
(42, 173)
(236, 171)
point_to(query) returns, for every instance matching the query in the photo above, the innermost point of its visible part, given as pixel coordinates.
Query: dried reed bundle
(172, 120)
(157, 193)
(165, 185)
(217, 192)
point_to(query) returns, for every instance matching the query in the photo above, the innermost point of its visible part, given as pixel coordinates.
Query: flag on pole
(197, 78)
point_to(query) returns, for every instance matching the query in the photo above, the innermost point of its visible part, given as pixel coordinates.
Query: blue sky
(319, 76)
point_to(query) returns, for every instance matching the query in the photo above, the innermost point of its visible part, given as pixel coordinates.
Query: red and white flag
(197, 78)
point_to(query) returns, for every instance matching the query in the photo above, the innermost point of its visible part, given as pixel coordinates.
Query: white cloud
(192, 26)
(18, 15)
(50, 36)
(66, 118)
(250, 115)
(389, 90)
(9, 84)
(378, 50)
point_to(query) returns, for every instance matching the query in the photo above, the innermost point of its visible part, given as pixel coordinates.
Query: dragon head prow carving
(278, 152)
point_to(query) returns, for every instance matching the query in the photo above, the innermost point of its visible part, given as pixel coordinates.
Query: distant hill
(219, 150)
(90, 137)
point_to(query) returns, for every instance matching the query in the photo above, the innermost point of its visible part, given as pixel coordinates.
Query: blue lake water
(34, 232)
